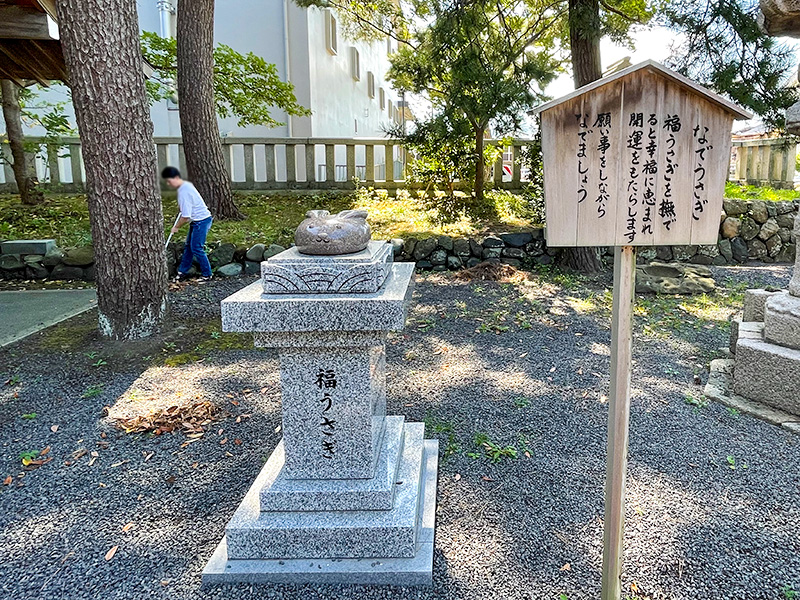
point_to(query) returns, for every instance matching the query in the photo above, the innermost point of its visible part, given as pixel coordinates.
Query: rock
(768, 229)
(749, 229)
(787, 253)
(36, 271)
(9, 262)
(673, 278)
(445, 242)
(461, 248)
(758, 211)
(493, 242)
(701, 259)
(544, 259)
(537, 233)
(516, 253)
(784, 207)
(730, 227)
(535, 248)
(771, 210)
(472, 262)
(229, 270)
(240, 254)
(734, 207)
(252, 267)
(684, 253)
(475, 248)
(397, 246)
(440, 268)
(53, 257)
(646, 253)
(513, 262)
(664, 253)
(757, 250)
(79, 257)
(255, 252)
(785, 220)
(66, 272)
(491, 253)
(773, 245)
(424, 248)
(90, 273)
(722, 216)
(725, 250)
(785, 234)
(424, 265)
(408, 247)
(438, 257)
(272, 250)
(33, 259)
(709, 250)
(516, 240)
(739, 249)
(719, 260)
(222, 255)
(454, 263)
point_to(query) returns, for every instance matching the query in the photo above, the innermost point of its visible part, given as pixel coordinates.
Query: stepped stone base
(415, 569)
(782, 320)
(767, 373)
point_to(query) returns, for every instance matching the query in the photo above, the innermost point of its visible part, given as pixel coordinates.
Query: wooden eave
(29, 44)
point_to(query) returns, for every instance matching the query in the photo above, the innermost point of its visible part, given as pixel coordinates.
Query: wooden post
(618, 419)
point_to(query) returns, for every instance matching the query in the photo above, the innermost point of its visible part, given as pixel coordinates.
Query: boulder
(493, 242)
(725, 250)
(222, 255)
(408, 247)
(445, 242)
(516, 253)
(664, 253)
(785, 234)
(79, 257)
(255, 252)
(749, 229)
(673, 278)
(229, 270)
(684, 253)
(535, 248)
(734, 207)
(709, 250)
(784, 207)
(424, 248)
(739, 249)
(36, 271)
(475, 248)
(252, 268)
(33, 259)
(773, 245)
(90, 273)
(757, 250)
(768, 229)
(66, 272)
(53, 257)
(438, 257)
(758, 211)
(730, 227)
(491, 253)
(454, 263)
(472, 262)
(9, 262)
(516, 240)
(439, 268)
(424, 265)
(771, 210)
(397, 246)
(272, 250)
(461, 247)
(544, 259)
(785, 220)
(787, 253)
(701, 259)
(647, 254)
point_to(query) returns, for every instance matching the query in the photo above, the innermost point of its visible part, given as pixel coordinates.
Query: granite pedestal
(349, 494)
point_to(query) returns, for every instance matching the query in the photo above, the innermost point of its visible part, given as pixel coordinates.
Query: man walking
(195, 212)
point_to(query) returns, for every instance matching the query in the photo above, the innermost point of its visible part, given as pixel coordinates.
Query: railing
(764, 162)
(271, 163)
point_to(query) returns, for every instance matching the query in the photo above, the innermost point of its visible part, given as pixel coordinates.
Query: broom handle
(169, 239)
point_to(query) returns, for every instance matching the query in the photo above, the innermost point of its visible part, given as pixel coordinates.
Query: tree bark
(480, 167)
(24, 170)
(584, 39)
(199, 129)
(100, 40)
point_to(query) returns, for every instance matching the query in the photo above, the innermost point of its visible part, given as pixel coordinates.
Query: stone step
(252, 534)
(768, 373)
(283, 494)
(416, 570)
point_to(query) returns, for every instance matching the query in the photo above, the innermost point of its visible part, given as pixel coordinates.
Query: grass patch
(752, 192)
(272, 218)
(68, 336)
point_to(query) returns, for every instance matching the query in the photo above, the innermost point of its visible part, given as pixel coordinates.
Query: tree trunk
(24, 170)
(584, 39)
(480, 167)
(199, 128)
(100, 40)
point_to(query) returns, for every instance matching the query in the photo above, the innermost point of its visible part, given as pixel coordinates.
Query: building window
(390, 109)
(371, 84)
(355, 63)
(388, 45)
(382, 96)
(331, 42)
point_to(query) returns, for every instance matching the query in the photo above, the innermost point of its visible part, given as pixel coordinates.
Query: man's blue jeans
(195, 241)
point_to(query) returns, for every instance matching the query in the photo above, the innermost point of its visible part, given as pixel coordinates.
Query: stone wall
(749, 230)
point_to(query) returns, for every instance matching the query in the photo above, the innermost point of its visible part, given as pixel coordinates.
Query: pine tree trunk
(100, 39)
(199, 129)
(584, 39)
(24, 170)
(480, 167)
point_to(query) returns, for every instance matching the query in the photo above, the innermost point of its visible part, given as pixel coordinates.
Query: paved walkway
(26, 312)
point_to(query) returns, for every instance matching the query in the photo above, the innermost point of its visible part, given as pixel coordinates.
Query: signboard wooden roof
(29, 42)
(638, 158)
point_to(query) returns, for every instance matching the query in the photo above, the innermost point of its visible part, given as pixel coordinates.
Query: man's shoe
(204, 278)
(181, 277)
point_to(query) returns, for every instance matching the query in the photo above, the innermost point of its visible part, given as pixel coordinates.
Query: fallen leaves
(128, 527)
(54, 429)
(110, 554)
(8, 480)
(190, 418)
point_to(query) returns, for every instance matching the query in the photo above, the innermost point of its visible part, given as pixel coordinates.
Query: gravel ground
(530, 527)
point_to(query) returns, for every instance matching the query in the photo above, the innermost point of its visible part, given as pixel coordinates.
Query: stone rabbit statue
(322, 233)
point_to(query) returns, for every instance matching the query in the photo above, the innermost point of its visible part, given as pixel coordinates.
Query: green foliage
(726, 50)
(92, 391)
(533, 192)
(753, 192)
(245, 85)
(29, 416)
(368, 20)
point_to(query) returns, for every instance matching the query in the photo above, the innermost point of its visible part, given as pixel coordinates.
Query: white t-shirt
(191, 203)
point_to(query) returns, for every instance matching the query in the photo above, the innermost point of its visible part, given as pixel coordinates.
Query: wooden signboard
(638, 158)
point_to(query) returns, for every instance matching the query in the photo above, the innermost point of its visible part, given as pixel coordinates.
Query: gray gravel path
(521, 528)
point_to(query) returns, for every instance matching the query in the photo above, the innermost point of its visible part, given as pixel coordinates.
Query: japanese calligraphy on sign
(326, 382)
(639, 158)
